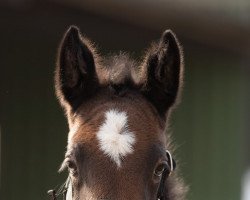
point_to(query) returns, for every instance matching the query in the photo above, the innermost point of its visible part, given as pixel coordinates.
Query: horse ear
(164, 68)
(75, 77)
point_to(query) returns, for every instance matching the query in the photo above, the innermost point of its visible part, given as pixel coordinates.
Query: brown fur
(87, 86)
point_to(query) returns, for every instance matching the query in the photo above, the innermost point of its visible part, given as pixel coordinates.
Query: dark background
(210, 127)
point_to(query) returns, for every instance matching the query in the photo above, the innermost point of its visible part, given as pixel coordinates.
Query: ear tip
(73, 28)
(73, 31)
(168, 34)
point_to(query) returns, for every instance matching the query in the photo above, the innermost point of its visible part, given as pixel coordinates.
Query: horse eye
(160, 168)
(72, 167)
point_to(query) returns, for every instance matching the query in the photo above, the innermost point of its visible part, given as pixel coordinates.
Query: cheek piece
(167, 172)
(61, 191)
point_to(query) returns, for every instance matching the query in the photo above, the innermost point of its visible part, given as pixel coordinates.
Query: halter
(54, 194)
(165, 174)
(62, 191)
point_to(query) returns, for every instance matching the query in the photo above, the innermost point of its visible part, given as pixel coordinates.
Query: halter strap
(165, 174)
(54, 193)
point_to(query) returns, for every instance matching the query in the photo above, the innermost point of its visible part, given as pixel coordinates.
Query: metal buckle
(171, 162)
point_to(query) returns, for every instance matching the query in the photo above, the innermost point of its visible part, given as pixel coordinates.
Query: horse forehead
(115, 138)
(115, 132)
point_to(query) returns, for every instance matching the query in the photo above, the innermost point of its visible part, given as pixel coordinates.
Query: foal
(117, 111)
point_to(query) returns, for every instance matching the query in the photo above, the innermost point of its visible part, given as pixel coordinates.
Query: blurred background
(210, 127)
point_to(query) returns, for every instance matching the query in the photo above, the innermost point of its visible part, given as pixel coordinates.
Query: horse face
(117, 112)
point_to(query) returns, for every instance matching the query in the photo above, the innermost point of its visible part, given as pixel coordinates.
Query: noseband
(62, 191)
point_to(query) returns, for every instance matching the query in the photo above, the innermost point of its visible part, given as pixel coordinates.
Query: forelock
(119, 70)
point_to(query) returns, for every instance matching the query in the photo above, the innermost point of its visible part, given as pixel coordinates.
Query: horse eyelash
(63, 165)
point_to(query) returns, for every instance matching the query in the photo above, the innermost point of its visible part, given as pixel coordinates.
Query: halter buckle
(171, 162)
(52, 194)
